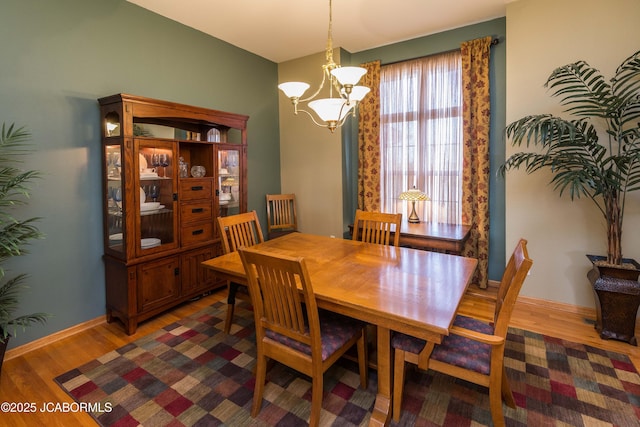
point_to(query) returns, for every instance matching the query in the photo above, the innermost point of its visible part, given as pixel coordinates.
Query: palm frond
(626, 122)
(578, 182)
(15, 234)
(10, 293)
(23, 322)
(542, 129)
(530, 161)
(13, 185)
(626, 82)
(629, 166)
(13, 143)
(582, 88)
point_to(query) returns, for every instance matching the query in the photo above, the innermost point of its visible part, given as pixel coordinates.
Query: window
(421, 136)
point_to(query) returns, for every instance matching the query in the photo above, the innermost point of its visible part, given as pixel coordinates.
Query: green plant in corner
(14, 233)
(572, 149)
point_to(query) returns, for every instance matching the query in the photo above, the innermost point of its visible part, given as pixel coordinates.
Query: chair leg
(258, 389)
(507, 395)
(495, 403)
(398, 383)
(231, 305)
(229, 320)
(316, 400)
(363, 359)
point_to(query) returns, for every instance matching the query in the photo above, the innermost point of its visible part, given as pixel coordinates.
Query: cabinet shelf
(155, 178)
(156, 212)
(141, 137)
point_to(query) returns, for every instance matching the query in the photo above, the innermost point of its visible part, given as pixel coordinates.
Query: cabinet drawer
(196, 212)
(193, 189)
(196, 233)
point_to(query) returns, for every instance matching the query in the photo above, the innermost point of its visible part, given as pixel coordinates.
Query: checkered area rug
(192, 374)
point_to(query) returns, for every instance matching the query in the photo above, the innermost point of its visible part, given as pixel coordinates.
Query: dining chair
(281, 215)
(474, 350)
(376, 227)
(292, 330)
(238, 231)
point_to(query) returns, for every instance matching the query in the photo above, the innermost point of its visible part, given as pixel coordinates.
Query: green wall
(442, 42)
(58, 57)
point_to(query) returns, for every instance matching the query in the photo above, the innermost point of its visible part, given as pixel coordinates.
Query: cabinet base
(130, 324)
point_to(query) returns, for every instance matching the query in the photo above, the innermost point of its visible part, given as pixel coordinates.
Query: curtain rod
(493, 43)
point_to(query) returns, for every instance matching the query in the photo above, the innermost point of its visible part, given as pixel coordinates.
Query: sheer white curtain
(421, 136)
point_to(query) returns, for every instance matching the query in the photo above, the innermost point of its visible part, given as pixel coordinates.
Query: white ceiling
(280, 30)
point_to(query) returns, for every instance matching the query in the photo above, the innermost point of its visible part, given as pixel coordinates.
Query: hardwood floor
(550, 318)
(29, 378)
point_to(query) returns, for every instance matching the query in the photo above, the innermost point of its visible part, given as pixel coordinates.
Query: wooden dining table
(398, 289)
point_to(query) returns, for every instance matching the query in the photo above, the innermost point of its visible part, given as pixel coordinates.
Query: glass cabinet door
(229, 181)
(114, 198)
(156, 172)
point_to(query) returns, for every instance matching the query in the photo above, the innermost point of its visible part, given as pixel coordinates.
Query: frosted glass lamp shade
(348, 75)
(358, 93)
(293, 89)
(331, 109)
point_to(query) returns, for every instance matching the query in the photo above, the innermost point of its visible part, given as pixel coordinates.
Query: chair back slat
(274, 285)
(281, 212)
(376, 227)
(513, 278)
(237, 231)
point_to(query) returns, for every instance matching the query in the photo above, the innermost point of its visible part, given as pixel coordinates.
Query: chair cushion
(454, 349)
(407, 343)
(335, 329)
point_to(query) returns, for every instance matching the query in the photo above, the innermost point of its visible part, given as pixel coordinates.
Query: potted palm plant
(595, 153)
(14, 233)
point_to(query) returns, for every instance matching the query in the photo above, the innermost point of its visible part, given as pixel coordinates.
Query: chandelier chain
(330, 65)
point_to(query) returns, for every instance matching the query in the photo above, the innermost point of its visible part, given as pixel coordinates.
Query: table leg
(382, 407)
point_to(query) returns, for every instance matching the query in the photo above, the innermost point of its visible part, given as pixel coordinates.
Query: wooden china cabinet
(168, 171)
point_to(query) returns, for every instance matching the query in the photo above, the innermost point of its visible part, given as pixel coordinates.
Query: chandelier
(332, 111)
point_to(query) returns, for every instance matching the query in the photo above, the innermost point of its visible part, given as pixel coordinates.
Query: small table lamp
(413, 195)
